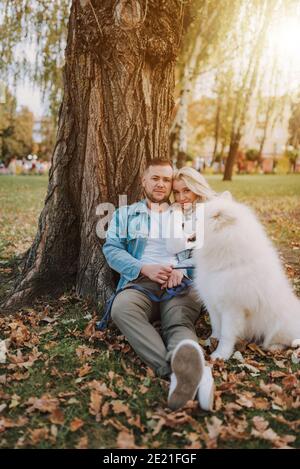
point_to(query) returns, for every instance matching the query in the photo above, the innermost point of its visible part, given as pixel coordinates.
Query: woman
(189, 189)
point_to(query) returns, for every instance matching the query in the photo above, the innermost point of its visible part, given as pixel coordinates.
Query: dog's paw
(219, 356)
(276, 348)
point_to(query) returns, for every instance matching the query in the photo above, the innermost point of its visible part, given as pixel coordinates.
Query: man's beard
(152, 199)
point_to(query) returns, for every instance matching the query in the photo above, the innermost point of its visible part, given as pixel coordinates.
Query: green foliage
(16, 129)
(252, 154)
(293, 155)
(48, 134)
(209, 20)
(294, 124)
(42, 25)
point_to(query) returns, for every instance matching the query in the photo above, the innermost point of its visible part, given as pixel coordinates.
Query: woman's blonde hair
(195, 182)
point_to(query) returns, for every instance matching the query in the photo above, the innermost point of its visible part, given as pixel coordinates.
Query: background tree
(47, 136)
(294, 124)
(248, 74)
(42, 25)
(211, 22)
(293, 148)
(225, 101)
(7, 113)
(16, 129)
(19, 142)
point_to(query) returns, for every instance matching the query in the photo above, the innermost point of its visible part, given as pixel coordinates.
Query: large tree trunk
(115, 115)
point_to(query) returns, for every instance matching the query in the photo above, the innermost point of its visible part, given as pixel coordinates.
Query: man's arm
(115, 249)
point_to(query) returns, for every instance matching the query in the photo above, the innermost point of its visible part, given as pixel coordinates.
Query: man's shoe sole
(187, 365)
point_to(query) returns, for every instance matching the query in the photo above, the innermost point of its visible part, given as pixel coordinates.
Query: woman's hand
(174, 279)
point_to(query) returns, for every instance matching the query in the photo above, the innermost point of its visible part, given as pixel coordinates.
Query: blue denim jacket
(126, 239)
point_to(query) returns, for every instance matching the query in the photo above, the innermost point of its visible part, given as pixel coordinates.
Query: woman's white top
(186, 229)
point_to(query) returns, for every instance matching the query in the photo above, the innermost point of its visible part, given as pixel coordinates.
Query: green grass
(252, 186)
(134, 401)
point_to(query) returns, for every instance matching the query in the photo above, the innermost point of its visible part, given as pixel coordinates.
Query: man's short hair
(158, 162)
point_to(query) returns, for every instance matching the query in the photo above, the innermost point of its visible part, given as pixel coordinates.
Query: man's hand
(174, 279)
(156, 272)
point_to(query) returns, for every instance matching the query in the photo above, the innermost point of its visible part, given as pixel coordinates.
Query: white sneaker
(206, 390)
(187, 364)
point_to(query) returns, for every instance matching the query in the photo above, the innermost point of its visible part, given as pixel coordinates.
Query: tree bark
(115, 115)
(233, 149)
(217, 127)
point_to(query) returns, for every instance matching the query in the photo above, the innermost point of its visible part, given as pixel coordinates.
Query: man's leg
(132, 312)
(178, 317)
(189, 372)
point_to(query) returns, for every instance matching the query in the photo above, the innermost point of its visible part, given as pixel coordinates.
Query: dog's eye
(216, 215)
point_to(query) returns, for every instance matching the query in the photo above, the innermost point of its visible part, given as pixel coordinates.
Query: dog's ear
(222, 218)
(226, 195)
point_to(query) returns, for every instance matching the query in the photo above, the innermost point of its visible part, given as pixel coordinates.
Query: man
(136, 248)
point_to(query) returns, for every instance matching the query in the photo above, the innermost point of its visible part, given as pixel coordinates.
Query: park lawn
(64, 385)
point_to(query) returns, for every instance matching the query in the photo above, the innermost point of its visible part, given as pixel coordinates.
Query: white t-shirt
(156, 248)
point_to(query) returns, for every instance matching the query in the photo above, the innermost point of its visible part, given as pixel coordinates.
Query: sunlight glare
(284, 42)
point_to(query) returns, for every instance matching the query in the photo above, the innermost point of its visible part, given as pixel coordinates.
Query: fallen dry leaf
(54, 431)
(120, 408)
(82, 443)
(9, 423)
(136, 422)
(290, 382)
(90, 328)
(101, 388)
(76, 424)
(280, 363)
(95, 402)
(15, 401)
(39, 434)
(116, 424)
(270, 388)
(214, 426)
(261, 403)
(20, 333)
(128, 390)
(260, 423)
(293, 424)
(84, 370)
(143, 389)
(232, 407)
(2, 407)
(171, 420)
(255, 348)
(244, 401)
(105, 409)
(273, 437)
(57, 417)
(84, 353)
(125, 440)
(43, 404)
(20, 376)
(128, 370)
(277, 374)
(3, 350)
(3, 379)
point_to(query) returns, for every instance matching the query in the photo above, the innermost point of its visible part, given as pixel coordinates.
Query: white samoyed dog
(240, 279)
